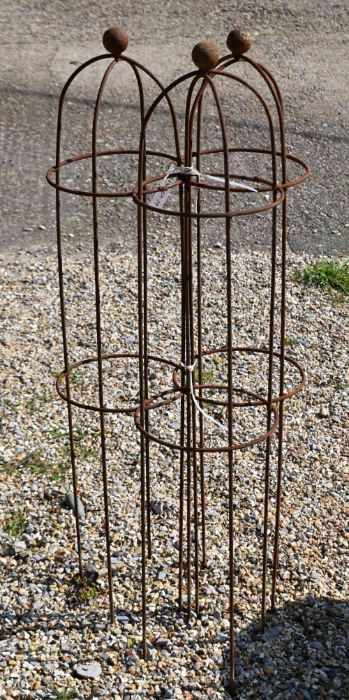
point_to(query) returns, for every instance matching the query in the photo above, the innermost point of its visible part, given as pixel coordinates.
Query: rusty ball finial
(239, 41)
(205, 56)
(115, 41)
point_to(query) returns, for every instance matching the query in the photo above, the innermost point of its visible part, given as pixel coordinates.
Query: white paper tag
(159, 198)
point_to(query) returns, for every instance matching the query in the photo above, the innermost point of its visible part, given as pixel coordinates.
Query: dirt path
(303, 43)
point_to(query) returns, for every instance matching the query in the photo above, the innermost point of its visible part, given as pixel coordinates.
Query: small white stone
(88, 670)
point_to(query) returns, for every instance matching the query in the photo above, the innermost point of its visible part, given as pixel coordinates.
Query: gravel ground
(49, 624)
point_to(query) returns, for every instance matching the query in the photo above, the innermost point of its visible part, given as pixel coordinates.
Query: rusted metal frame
(61, 285)
(99, 339)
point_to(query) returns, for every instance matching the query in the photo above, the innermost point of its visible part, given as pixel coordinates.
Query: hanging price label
(159, 198)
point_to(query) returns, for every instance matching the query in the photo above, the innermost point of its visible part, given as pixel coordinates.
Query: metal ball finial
(115, 41)
(205, 56)
(239, 41)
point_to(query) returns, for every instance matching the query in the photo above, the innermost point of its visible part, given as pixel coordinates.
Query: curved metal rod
(62, 301)
(275, 91)
(168, 100)
(84, 156)
(271, 343)
(221, 449)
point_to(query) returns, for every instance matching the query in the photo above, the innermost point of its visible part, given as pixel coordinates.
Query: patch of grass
(16, 524)
(85, 589)
(326, 274)
(37, 465)
(290, 342)
(35, 401)
(64, 694)
(207, 376)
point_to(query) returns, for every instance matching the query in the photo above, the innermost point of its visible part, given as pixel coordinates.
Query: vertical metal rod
(269, 417)
(282, 376)
(99, 341)
(275, 91)
(64, 336)
(199, 341)
(140, 251)
(271, 335)
(145, 322)
(230, 388)
(193, 410)
(187, 272)
(190, 355)
(62, 298)
(182, 428)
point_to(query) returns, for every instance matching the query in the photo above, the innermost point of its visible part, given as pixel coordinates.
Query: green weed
(38, 466)
(328, 275)
(85, 589)
(290, 342)
(16, 524)
(207, 376)
(64, 694)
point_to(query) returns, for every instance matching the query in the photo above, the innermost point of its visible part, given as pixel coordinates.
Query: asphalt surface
(305, 44)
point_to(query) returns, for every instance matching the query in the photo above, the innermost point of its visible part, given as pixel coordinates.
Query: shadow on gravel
(303, 653)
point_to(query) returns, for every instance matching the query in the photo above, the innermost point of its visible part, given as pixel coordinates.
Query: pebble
(88, 670)
(306, 694)
(69, 502)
